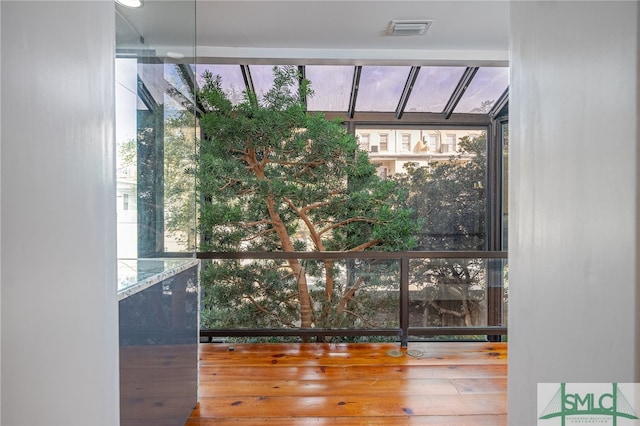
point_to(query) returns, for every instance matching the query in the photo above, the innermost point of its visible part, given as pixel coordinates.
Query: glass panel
(180, 135)
(502, 268)
(505, 186)
(447, 293)
(126, 104)
(444, 172)
(155, 136)
(159, 322)
(485, 88)
(331, 86)
(504, 274)
(262, 77)
(380, 88)
(433, 88)
(265, 293)
(231, 79)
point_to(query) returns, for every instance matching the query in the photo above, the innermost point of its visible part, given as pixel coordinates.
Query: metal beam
(246, 76)
(354, 90)
(418, 119)
(466, 78)
(380, 255)
(188, 74)
(145, 96)
(499, 105)
(302, 75)
(313, 332)
(408, 87)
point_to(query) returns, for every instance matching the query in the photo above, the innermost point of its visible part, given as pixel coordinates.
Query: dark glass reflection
(159, 351)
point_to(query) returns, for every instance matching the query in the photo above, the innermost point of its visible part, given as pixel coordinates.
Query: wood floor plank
(482, 420)
(469, 386)
(428, 371)
(435, 383)
(326, 354)
(300, 388)
(352, 372)
(352, 405)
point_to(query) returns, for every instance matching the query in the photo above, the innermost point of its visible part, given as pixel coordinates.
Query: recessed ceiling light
(130, 3)
(175, 55)
(408, 27)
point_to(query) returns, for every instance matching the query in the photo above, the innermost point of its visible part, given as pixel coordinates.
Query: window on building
(406, 142)
(450, 146)
(364, 142)
(125, 201)
(384, 142)
(434, 141)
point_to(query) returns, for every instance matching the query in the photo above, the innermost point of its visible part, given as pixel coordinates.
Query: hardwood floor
(436, 383)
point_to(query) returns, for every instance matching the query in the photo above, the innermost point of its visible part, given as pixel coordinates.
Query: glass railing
(346, 296)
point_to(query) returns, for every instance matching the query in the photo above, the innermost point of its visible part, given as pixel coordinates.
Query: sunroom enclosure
(404, 116)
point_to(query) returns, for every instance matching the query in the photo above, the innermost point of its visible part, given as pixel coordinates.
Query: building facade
(392, 148)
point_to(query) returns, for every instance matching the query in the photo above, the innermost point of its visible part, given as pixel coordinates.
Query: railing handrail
(376, 255)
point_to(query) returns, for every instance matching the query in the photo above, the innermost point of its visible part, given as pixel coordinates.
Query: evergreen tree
(273, 177)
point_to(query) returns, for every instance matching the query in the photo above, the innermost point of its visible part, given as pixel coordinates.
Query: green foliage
(179, 184)
(273, 177)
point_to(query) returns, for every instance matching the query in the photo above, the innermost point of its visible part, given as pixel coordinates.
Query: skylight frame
(405, 89)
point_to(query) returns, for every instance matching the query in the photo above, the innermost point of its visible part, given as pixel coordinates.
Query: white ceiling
(321, 31)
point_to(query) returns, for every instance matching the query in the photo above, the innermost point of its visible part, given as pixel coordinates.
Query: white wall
(573, 188)
(58, 277)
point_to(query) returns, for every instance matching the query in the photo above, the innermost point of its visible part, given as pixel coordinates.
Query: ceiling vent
(413, 27)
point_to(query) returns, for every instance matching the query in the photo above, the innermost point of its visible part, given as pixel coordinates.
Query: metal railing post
(404, 300)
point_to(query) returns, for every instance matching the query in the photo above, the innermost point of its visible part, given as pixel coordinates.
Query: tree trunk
(306, 306)
(306, 309)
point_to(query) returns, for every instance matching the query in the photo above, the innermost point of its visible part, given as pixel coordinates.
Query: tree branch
(348, 295)
(256, 223)
(315, 236)
(319, 204)
(360, 317)
(446, 311)
(346, 222)
(310, 164)
(365, 246)
(266, 311)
